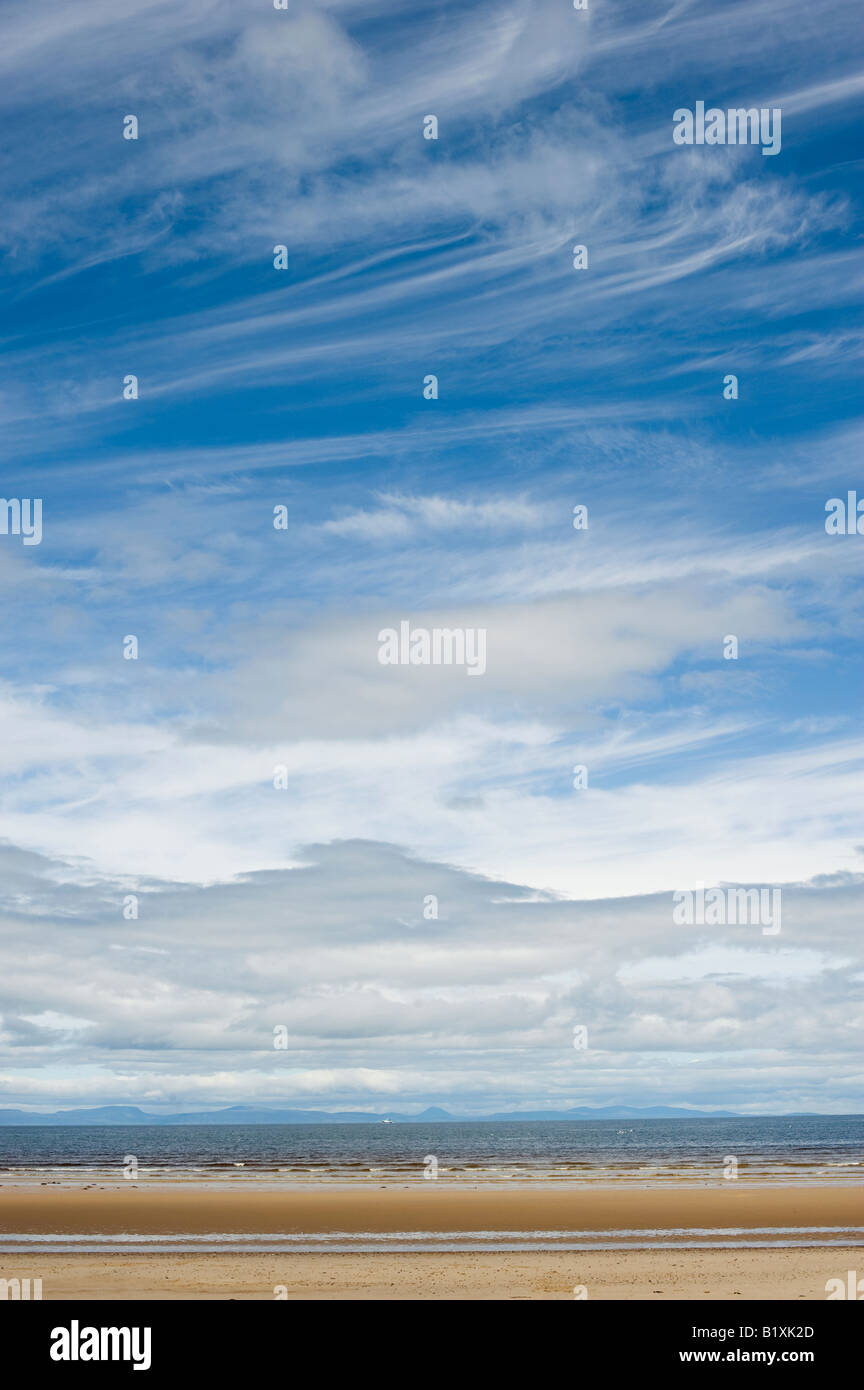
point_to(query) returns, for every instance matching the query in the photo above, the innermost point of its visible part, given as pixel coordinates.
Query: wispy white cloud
(400, 516)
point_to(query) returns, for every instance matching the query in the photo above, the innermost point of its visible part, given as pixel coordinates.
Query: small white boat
(386, 1122)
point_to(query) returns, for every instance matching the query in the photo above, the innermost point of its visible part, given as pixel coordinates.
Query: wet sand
(423, 1206)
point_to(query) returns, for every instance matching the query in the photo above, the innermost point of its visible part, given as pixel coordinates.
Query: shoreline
(77, 1182)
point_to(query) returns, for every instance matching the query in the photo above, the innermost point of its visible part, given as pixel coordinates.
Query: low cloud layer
(381, 1001)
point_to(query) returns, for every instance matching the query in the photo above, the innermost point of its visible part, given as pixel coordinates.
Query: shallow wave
(822, 1173)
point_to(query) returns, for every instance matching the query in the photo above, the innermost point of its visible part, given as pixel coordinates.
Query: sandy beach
(796, 1266)
(685, 1274)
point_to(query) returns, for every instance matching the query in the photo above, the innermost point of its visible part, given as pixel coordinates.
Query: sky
(280, 808)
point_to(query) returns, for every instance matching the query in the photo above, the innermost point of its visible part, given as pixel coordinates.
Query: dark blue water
(820, 1149)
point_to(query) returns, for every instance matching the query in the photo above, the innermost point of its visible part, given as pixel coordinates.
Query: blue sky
(304, 388)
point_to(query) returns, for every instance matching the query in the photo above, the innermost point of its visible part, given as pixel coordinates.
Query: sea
(644, 1152)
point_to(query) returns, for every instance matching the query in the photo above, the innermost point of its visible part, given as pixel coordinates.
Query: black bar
(613, 1337)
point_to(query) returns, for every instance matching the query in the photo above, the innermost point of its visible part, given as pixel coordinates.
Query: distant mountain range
(250, 1115)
